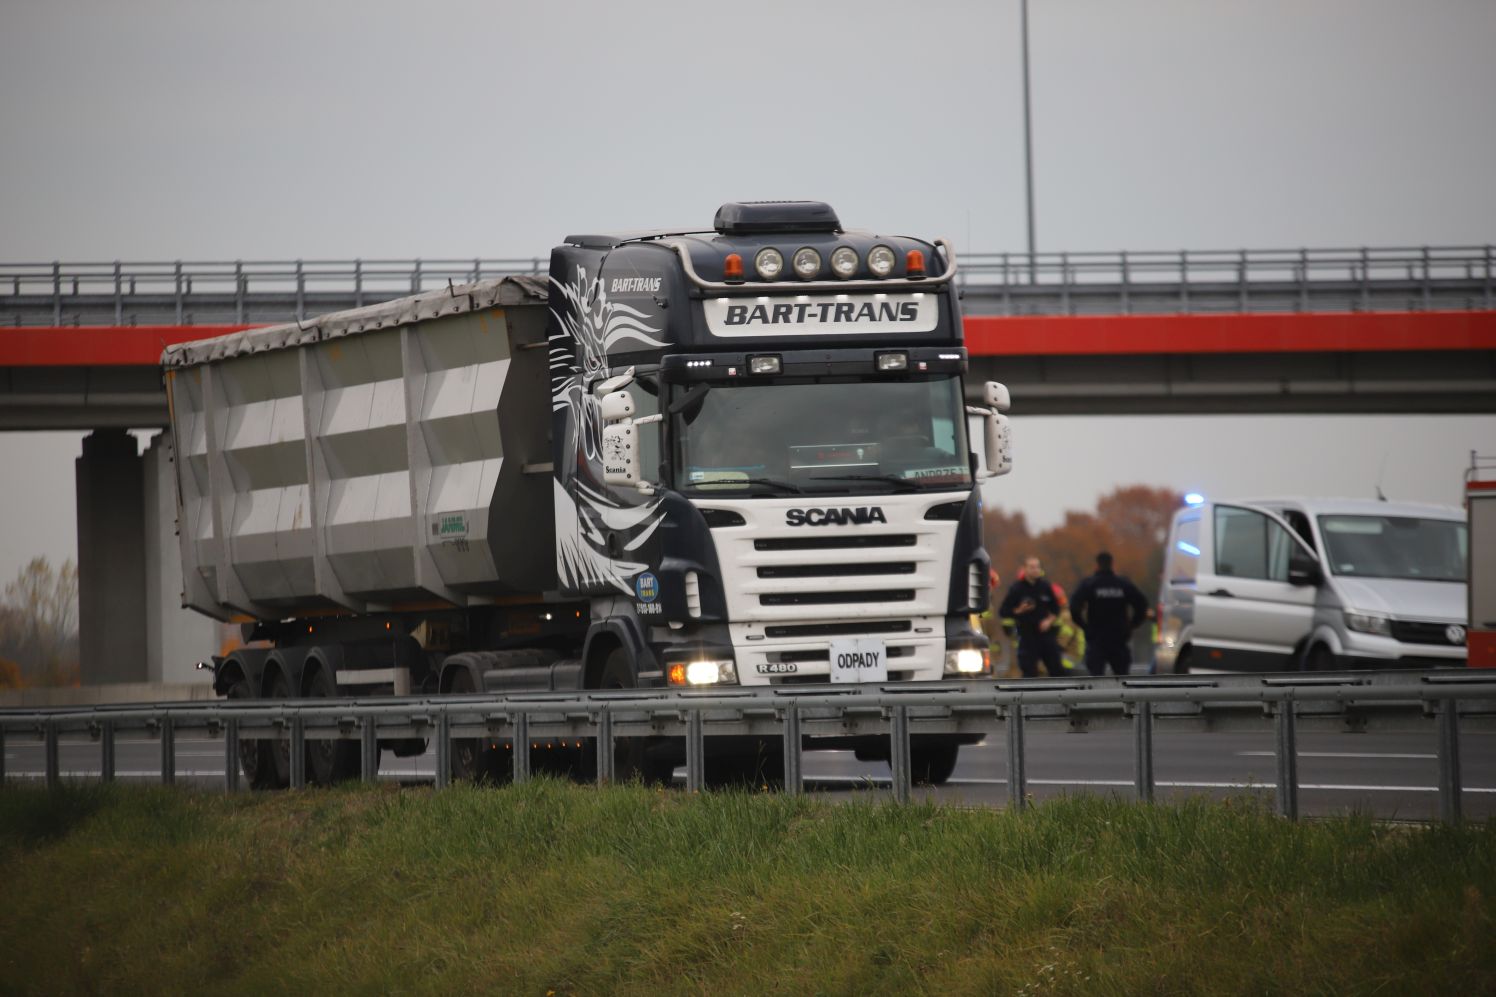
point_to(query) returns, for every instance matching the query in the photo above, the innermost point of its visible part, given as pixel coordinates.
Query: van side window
(1184, 556)
(1250, 545)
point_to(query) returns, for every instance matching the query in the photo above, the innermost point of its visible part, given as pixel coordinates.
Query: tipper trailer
(687, 458)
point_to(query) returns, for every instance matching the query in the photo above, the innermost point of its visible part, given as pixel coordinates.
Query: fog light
(880, 261)
(968, 661)
(806, 263)
(769, 263)
(893, 361)
(844, 262)
(763, 365)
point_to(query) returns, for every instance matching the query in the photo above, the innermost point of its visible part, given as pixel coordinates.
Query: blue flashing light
(1194, 498)
(1188, 548)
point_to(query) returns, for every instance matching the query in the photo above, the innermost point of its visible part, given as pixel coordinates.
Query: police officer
(1035, 609)
(1108, 607)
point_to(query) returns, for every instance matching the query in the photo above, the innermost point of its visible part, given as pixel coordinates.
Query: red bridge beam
(986, 335)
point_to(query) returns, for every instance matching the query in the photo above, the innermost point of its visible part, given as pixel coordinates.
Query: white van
(1313, 584)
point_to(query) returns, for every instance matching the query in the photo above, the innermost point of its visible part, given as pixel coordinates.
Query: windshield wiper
(727, 484)
(903, 484)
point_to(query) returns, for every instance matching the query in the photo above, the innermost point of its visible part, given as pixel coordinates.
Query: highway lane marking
(1338, 754)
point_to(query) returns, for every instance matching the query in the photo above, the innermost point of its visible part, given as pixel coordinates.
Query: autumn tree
(39, 621)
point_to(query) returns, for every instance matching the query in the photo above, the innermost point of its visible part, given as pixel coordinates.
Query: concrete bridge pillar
(111, 559)
(131, 624)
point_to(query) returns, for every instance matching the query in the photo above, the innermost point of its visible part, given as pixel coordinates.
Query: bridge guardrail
(187, 292)
(1348, 701)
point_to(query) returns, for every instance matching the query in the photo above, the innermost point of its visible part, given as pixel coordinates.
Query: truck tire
(329, 761)
(931, 763)
(255, 759)
(473, 760)
(630, 760)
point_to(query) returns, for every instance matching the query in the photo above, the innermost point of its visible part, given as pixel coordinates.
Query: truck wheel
(472, 759)
(931, 764)
(279, 751)
(255, 759)
(629, 757)
(329, 761)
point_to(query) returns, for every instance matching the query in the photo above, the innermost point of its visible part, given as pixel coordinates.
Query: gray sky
(156, 129)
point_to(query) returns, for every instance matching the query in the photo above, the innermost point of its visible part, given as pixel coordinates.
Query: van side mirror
(1304, 570)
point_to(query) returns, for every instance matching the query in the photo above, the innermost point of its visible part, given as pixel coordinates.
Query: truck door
(1248, 615)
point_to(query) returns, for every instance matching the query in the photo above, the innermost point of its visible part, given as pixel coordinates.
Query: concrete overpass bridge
(1296, 331)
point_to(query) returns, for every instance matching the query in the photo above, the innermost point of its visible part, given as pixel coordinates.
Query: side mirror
(1304, 570)
(616, 405)
(621, 454)
(995, 394)
(997, 440)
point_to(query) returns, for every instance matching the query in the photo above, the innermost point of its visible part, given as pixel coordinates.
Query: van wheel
(1321, 659)
(1182, 662)
(933, 764)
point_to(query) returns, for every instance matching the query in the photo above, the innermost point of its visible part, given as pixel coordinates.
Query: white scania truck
(736, 456)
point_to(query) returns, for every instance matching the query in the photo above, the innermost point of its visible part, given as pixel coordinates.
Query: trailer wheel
(255, 759)
(329, 761)
(630, 759)
(279, 751)
(472, 759)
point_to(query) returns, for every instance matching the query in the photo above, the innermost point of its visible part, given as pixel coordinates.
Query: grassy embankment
(552, 887)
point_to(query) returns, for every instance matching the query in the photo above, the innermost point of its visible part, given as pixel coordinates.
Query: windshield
(1395, 547)
(825, 436)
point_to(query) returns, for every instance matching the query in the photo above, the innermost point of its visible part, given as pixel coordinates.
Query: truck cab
(763, 474)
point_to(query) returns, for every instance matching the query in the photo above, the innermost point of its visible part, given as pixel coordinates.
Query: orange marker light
(677, 674)
(732, 267)
(914, 263)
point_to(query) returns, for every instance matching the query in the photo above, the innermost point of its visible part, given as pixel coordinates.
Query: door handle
(1224, 593)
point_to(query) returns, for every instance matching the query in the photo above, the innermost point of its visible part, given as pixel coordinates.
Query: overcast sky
(155, 129)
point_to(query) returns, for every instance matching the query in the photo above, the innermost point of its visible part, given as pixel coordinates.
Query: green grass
(551, 887)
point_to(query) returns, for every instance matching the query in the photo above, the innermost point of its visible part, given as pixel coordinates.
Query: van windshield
(1396, 547)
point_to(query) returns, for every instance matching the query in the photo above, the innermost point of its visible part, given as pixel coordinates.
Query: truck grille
(860, 542)
(854, 629)
(835, 598)
(838, 570)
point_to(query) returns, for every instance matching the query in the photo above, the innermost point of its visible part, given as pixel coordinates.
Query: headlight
(769, 263)
(807, 263)
(1368, 623)
(709, 671)
(844, 262)
(968, 661)
(880, 261)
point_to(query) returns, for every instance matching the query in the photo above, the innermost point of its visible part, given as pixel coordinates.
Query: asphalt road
(1389, 775)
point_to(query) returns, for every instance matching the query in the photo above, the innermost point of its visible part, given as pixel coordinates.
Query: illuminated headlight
(893, 361)
(769, 263)
(807, 263)
(709, 672)
(880, 261)
(844, 262)
(763, 365)
(1369, 623)
(968, 661)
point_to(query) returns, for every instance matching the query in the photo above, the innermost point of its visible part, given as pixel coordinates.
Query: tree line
(39, 626)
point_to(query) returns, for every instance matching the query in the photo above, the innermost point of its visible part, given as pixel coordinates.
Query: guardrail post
(522, 747)
(607, 771)
(358, 283)
(1449, 761)
(1287, 756)
(168, 751)
(899, 754)
(177, 289)
(54, 768)
(1126, 286)
(2, 755)
(793, 780)
(1184, 280)
(1066, 306)
(106, 750)
(231, 755)
(1365, 279)
(1303, 279)
(119, 300)
(1142, 751)
(300, 292)
(443, 750)
(1427, 291)
(1017, 781)
(239, 291)
(56, 292)
(298, 752)
(368, 753)
(695, 752)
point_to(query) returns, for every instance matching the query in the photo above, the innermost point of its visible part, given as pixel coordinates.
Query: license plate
(859, 661)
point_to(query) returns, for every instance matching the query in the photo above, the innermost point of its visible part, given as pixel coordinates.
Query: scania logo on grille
(1454, 633)
(860, 516)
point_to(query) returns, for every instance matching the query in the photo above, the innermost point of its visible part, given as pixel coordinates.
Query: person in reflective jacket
(1108, 607)
(1035, 609)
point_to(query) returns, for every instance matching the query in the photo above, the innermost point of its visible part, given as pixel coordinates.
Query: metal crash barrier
(1349, 702)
